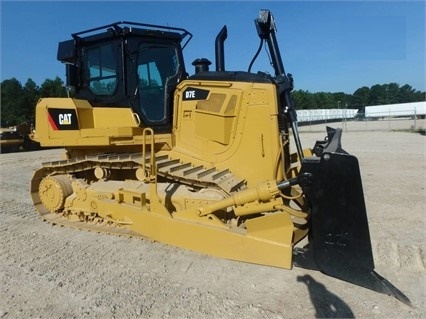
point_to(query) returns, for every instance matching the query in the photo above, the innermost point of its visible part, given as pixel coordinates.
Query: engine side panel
(231, 125)
(74, 123)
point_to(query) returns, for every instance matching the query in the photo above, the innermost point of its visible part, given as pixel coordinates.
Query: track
(124, 166)
(172, 169)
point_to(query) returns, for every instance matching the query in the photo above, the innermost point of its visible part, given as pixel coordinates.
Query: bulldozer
(203, 162)
(13, 137)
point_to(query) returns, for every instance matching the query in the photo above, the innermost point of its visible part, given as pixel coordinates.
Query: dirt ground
(53, 272)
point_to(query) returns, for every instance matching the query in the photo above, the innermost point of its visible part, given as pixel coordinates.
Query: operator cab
(127, 64)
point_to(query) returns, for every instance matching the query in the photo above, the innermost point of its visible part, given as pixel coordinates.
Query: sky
(328, 46)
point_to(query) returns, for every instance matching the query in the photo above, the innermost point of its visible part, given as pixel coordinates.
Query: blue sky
(328, 46)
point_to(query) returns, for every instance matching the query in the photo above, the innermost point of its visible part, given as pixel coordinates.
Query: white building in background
(324, 114)
(417, 109)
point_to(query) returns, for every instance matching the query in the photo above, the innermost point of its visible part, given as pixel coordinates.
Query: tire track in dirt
(17, 209)
(399, 256)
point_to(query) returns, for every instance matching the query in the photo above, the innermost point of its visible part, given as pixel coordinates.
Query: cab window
(156, 64)
(101, 62)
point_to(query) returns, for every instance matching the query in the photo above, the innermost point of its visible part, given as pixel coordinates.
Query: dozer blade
(339, 238)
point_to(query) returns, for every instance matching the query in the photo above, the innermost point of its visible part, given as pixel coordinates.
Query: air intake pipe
(201, 65)
(219, 50)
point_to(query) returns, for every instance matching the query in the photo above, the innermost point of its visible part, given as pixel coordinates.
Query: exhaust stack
(219, 49)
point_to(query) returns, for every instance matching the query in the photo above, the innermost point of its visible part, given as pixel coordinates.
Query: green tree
(341, 100)
(53, 88)
(303, 100)
(392, 93)
(31, 96)
(361, 97)
(377, 95)
(406, 94)
(324, 100)
(419, 96)
(12, 102)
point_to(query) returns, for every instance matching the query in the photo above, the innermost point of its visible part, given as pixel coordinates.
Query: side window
(101, 63)
(149, 76)
(156, 64)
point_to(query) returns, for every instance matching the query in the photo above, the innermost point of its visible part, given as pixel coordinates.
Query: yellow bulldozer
(202, 161)
(13, 137)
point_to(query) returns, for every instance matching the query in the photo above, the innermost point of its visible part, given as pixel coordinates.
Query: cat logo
(62, 119)
(65, 119)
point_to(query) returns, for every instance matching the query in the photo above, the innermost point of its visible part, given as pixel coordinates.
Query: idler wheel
(53, 191)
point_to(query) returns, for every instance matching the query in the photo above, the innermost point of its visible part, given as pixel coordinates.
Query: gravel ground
(54, 272)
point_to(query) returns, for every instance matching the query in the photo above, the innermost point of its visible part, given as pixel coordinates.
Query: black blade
(340, 243)
(339, 226)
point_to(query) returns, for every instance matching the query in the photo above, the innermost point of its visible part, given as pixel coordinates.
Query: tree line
(378, 94)
(18, 101)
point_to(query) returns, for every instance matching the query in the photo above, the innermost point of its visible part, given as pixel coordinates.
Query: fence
(312, 116)
(403, 120)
